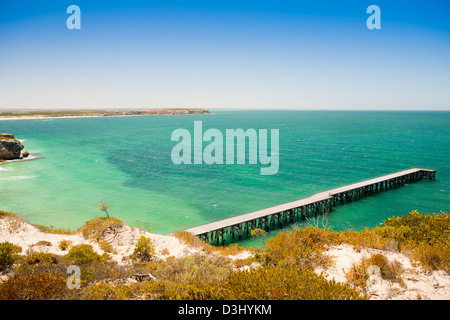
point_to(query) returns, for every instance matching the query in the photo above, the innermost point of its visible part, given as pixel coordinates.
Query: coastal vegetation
(359, 275)
(99, 113)
(144, 250)
(422, 237)
(284, 268)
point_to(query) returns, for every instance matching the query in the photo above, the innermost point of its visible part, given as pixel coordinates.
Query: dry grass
(194, 242)
(99, 227)
(360, 273)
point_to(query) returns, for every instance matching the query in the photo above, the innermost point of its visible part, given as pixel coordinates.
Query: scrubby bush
(51, 229)
(42, 243)
(83, 254)
(425, 236)
(434, 257)
(194, 242)
(64, 244)
(144, 250)
(415, 228)
(107, 247)
(42, 258)
(6, 214)
(46, 285)
(104, 291)
(193, 269)
(275, 283)
(99, 227)
(7, 252)
(366, 238)
(272, 283)
(301, 248)
(154, 290)
(389, 270)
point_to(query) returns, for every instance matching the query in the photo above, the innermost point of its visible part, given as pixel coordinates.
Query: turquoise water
(126, 162)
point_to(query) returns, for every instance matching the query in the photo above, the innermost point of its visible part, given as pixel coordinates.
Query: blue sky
(225, 54)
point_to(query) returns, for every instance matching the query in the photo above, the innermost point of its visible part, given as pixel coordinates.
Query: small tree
(144, 250)
(106, 208)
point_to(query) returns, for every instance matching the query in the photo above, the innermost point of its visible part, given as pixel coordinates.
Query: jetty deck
(319, 203)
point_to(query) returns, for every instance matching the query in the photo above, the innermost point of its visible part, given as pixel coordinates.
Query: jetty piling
(319, 203)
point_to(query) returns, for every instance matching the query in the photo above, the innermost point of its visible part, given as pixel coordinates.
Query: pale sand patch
(17, 231)
(433, 285)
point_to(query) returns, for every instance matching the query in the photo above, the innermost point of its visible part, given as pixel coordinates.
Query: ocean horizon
(126, 161)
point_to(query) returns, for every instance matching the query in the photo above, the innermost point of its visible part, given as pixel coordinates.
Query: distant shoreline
(34, 115)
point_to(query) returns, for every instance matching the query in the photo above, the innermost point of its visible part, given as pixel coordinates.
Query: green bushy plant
(144, 250)
(42, 258)
(83, 254)
(7, 254)
(301, 248)
(425, 236)
(64, 244)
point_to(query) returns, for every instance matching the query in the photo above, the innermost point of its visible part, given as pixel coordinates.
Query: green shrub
(425, 236)
(83, 254)
(41, 258)
(300, 248)
(366, 238)
(7, 252)
(415, 228)
(64, 244)
(144, 250)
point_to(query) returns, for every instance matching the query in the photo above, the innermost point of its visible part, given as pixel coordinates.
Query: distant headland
(38, 114)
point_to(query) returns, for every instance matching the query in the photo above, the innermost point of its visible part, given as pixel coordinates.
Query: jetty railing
(319, 203)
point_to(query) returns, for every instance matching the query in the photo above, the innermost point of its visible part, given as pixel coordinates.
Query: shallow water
(126, 162)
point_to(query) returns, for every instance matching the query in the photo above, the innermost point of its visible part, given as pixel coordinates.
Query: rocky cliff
(10, 147)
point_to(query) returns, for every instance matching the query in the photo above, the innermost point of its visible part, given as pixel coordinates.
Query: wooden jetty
(319, 203)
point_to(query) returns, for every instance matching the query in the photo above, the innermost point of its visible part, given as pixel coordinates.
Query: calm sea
(126, 161)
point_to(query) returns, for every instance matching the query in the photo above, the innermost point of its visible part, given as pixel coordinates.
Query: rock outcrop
(10, 147)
